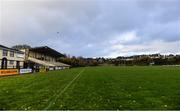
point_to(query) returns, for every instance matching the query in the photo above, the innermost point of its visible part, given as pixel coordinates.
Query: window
(11, 62)
(11, 54)
(5, 52)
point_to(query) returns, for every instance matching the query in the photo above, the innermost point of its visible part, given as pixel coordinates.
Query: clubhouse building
(38, 59)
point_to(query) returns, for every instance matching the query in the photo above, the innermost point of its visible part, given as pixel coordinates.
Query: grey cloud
(83, 22)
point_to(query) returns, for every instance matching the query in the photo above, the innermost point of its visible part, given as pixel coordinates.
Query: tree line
(142, 60)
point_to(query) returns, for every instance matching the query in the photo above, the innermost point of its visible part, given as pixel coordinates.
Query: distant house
(155, 56)
(11, 58)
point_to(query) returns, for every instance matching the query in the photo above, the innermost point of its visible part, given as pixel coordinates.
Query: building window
(11, 54)
(11, 62)
(5, 52)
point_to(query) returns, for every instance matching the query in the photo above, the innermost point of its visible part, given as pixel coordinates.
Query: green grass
(94, 88)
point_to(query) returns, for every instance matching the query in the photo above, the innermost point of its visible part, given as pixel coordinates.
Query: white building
(11, 58)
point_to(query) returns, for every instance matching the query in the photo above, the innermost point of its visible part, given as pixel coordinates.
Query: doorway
(4, 63)
(17, 64)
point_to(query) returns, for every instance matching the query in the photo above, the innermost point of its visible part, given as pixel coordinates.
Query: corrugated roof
(60, 64)
(46, 63)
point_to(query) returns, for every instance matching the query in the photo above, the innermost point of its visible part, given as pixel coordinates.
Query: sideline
(64, 89)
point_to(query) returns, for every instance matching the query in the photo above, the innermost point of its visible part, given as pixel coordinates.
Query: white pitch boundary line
(65, 88)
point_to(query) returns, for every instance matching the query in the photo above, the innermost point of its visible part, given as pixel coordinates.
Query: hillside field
(151, 87)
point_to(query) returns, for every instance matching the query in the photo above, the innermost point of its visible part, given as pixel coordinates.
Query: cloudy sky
(93, 28)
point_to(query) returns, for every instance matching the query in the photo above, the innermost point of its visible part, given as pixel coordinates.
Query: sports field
(94, 88)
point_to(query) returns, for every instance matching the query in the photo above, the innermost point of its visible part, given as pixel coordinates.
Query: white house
(11, 58)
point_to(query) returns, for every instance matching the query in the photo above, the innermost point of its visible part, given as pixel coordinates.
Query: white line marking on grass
(65, 88)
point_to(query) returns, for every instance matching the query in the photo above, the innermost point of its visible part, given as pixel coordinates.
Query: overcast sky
(93, 28)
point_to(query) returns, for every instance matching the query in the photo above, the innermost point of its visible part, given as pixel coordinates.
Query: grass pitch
(93, 88)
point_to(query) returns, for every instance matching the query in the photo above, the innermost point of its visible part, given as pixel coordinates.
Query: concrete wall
(17, 56)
